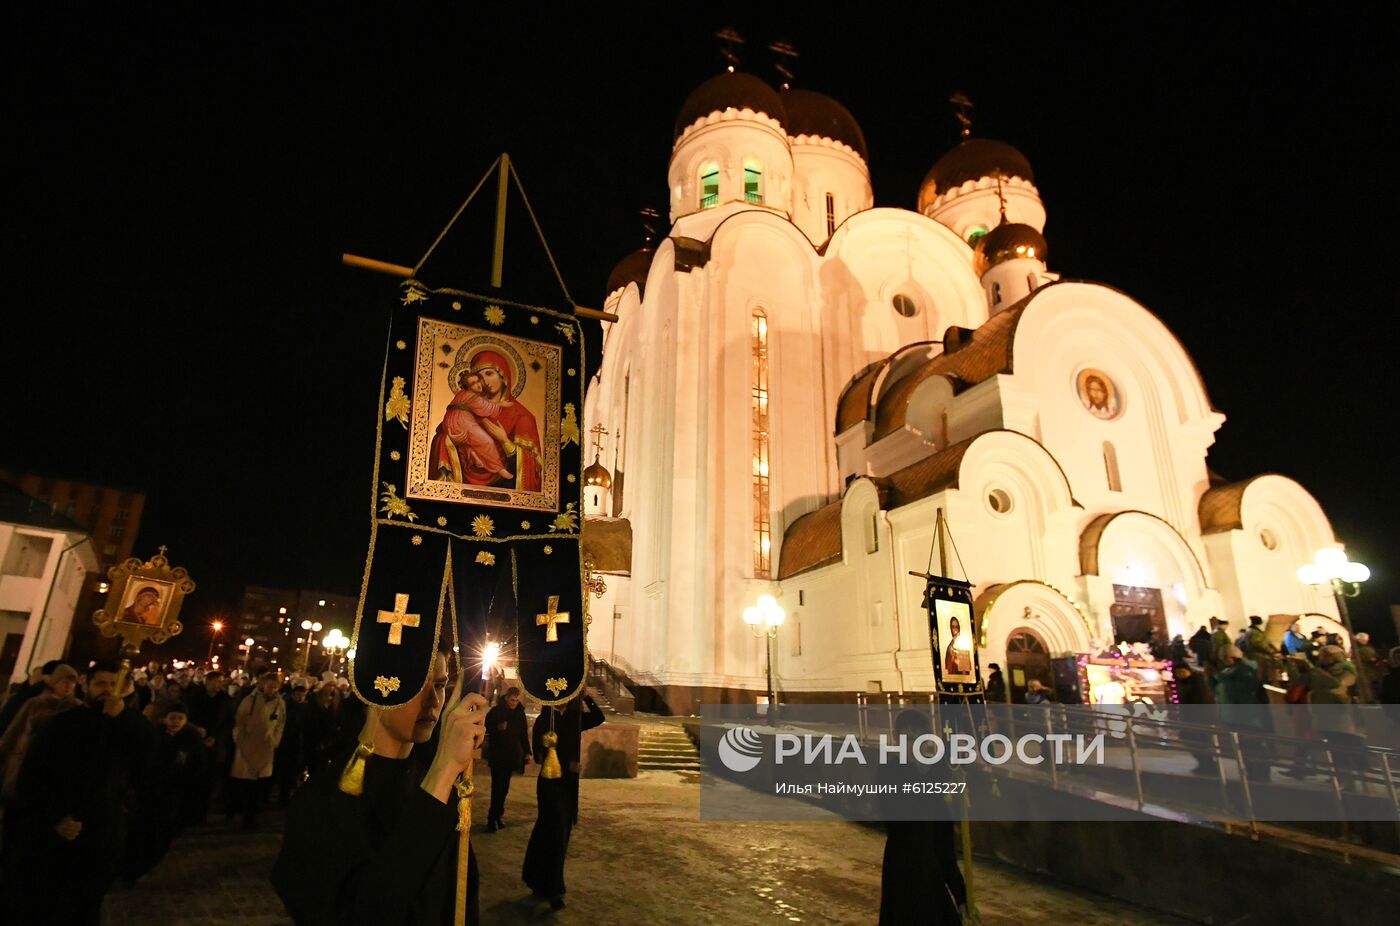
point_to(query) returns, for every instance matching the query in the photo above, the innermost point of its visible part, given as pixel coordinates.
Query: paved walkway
(640, 855)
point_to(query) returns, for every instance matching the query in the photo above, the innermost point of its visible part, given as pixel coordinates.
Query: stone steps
(666, 750)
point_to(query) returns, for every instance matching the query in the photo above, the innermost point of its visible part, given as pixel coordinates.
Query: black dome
(631, 269)
(973, 159)
(723, 91)
(812, 113)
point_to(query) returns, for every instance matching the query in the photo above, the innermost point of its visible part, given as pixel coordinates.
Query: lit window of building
(753, 182)
(709, 186)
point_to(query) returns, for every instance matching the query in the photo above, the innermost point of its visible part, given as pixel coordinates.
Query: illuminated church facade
(799, 381)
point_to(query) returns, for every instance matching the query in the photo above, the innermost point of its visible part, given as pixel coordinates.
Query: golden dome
(596, 474)
(1009, 241)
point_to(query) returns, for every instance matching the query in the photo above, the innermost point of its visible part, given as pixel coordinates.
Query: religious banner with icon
(477, 495)
(951, 636)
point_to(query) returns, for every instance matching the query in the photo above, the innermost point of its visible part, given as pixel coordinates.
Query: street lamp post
(1331, 567)
(764, 621)
(214, 630)
(309, 627)
(247, 651)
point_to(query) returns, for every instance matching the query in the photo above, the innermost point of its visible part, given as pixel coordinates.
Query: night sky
(182, 185)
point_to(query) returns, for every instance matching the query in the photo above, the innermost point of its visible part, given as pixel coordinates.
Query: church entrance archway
(1027, 658)
(1137, 612)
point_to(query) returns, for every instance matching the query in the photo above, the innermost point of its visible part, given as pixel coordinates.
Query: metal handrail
(1232, 746)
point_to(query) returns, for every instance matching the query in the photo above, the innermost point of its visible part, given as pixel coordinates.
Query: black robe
(543, 870)
(506, 748)
(175, 767)
(385, 858)
(81, 764)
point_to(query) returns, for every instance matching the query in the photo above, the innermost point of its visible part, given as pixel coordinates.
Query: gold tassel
(465, 789)
(550, 768)
(352, 779)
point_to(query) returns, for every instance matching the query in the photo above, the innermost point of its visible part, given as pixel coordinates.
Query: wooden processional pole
(941, 538)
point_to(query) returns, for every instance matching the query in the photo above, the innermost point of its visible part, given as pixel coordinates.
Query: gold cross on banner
(398, 619)
(551, 617)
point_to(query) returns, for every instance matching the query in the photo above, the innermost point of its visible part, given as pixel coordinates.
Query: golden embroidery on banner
(568, 428)
(556, 686)
(398, 619)
(398, 406)
(551, 616)
(393, 505)
(566, 520)
(386, 686)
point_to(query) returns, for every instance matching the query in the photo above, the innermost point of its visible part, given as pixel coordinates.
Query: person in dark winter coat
(1202, 647)
(507, 749)
(37, 684)
(996, 685)
(70, 814)
(174, 768)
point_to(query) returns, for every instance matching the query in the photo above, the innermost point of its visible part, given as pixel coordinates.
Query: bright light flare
(490, 655)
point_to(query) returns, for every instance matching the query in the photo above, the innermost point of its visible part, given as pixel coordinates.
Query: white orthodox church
(798, 381)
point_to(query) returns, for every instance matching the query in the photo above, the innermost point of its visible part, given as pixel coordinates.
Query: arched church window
(872, 533)
(753, 181)
(709, 186)
(830, 215)
(762, 512)
(1110, 465)
(996, 293)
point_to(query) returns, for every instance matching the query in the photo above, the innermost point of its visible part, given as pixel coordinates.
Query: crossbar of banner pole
(399, 270)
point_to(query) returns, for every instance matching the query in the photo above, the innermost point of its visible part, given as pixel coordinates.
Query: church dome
(1009, 241)
(596, 474)
(973, 159)
(730, 90)
(812, 113)
(631, 269)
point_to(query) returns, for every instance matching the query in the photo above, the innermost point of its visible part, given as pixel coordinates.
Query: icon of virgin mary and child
(486, 438)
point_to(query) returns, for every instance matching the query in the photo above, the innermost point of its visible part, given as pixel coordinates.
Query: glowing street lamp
(1332, 568)
(333, 643)
(490, 655)
(247, 652)
(764, 621)
(214, 630)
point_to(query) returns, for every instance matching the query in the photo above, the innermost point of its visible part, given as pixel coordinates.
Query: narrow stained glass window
(762, 518)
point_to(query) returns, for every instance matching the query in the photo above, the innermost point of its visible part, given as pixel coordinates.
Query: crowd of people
(97, 783)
